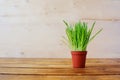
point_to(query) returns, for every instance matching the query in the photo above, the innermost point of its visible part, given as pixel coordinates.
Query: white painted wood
(34, 28)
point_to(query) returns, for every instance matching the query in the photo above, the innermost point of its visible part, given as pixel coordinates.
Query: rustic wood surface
(58, 69)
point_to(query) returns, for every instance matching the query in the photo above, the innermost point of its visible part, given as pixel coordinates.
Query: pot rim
(78, 52)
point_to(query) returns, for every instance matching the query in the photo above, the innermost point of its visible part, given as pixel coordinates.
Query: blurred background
(34, 28)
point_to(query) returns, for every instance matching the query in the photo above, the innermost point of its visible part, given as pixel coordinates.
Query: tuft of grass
(79, 35)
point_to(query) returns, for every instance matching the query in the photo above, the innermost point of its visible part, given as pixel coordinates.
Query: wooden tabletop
(58, 69)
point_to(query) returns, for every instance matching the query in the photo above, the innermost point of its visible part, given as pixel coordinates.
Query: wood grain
(58, 69)
(98, 19)
(37, 77)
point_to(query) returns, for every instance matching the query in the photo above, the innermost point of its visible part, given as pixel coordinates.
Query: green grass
(79, 35)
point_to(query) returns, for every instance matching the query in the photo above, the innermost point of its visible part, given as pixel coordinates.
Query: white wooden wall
(34, 28)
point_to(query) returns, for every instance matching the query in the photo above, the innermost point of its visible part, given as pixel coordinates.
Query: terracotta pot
(78, 59)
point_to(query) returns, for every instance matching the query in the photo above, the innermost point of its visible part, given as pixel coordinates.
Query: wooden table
(58, 69)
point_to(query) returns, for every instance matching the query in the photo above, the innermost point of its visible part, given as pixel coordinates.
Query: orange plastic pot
(78, 59)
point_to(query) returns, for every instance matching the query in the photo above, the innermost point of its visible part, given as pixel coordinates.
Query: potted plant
(78, 38)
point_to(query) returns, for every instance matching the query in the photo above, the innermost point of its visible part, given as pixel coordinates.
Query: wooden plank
(101, 19)
(26, 65)
(56, 60)
(36, 60)
(109, 70)
(55, 63)
(37, 77)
